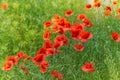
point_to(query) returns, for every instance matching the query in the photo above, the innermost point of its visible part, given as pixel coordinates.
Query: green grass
(26, 35)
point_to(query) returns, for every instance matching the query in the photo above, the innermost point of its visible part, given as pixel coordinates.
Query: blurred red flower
(68, 25)
(42, 51)
(118, 10)
(68, 13)
(44, 66)
(96, 1)
(59, 39)
(114, 3)
(108, 11)
(84, 36)
(56, 74)
(46, 35)
(65, 41)
(75, 33)
(57, 45)
(38, 59)
(115, 36)
(47, 24)
(50, 52)
(88, 23)
(12, 59)
(55, 18)
(97, 4)
(108, 8)
(62, 30)
(7, 66)
(61, 21)
(88, 67)
(79, 26)
(48, 44)
(4, 6)
(88, 6)
(21, 55)
(78, 47)
(55, 28)
(81, 17)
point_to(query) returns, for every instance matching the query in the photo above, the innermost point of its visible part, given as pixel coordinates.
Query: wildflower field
(59, 40)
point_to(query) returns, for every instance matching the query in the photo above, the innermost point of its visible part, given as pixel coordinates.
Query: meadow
(22, 28)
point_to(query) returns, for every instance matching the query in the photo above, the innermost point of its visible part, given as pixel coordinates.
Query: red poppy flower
(65, 41)
(55, 18)
(114, 3)
(107, 13)
(48, 44)
(7, 66)
(88, 23)
(115, 36)
(79, 26)
(75, 33)
(56, 74)
(88, 6)
(68, 26)
(55, 29)
(57, 45)
(42, 51)
(24, 70)
(44, 66)
(62, 31)
(21, 55)
(47, 24)
(78, 47)
(46, 35)
(97, 4)
(68, 13)
(60, 76)
(38, 59)
(81, 17)
(84, 36)
(12, 59)
(96, 1)
(4, 6)
(59, 39)
(118, 10)
(88, 67)
(50, 51)
(108, 8)
(62, 21)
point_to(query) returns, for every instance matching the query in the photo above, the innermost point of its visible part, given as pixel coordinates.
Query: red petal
(47, 24)
(68, 13)
(50, 51)
(38, 59)
(84, 36)
(78, 47)
(81, 17)
(44, 66)
(7, 66)
(88, 67)
(48, 44)
(46, 35)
